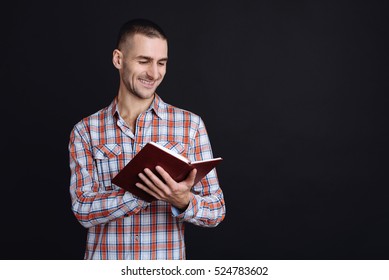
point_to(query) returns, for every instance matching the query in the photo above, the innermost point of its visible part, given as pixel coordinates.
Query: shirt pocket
(106, 157)
(177, 147)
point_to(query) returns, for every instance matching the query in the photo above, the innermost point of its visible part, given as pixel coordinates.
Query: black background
(293, 94)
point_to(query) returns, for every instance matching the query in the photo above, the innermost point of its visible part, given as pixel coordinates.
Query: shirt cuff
(134, 203)
(189, 212)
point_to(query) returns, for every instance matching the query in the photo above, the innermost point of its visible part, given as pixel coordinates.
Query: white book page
(170, 152)
(206, 160)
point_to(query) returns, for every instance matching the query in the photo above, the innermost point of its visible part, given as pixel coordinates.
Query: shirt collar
(158, 106)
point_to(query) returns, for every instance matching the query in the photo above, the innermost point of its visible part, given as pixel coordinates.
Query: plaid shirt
(120, 225)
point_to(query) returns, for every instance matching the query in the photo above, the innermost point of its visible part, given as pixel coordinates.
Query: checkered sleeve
(90, 205)
(207, 207)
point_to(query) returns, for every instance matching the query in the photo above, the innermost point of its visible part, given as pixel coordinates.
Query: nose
(152, 71)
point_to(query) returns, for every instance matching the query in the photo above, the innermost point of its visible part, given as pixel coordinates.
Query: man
(121, 225)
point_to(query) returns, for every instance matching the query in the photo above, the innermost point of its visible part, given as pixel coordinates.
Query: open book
(153, 155)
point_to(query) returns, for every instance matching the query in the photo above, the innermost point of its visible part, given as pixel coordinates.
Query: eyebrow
(150, 58)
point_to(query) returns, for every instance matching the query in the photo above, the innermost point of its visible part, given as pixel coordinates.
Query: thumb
(191, 177)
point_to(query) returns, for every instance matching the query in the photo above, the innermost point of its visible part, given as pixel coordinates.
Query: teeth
(146, 82)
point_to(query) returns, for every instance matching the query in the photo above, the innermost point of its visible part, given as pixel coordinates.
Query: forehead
(141, 45)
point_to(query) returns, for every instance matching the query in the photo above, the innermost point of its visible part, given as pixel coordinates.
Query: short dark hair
(139, 26)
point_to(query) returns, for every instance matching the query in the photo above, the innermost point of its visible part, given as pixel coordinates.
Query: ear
(117, 59)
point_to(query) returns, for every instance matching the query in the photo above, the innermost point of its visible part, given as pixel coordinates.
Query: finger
(149, 184)
(191, 177)
(146, 180)
(165, 176)
(148, 190)
(155, 180)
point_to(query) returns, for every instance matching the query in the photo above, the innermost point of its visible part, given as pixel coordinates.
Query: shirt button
(136, 237)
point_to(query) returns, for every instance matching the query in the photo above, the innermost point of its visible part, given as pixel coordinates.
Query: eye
(143, 62)
(162, 63)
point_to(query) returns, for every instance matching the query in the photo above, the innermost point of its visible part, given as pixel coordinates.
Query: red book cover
(153, 155)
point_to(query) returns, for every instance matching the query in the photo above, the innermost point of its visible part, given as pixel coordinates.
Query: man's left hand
(176, 193)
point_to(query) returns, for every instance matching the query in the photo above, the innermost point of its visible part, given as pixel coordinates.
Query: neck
(131, 106)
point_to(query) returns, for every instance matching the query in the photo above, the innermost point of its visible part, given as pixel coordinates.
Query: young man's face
(144, 65)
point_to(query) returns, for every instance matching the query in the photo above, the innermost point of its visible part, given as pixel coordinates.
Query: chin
(146, 95)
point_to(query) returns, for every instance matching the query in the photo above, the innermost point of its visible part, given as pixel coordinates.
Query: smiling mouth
(147, 83)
